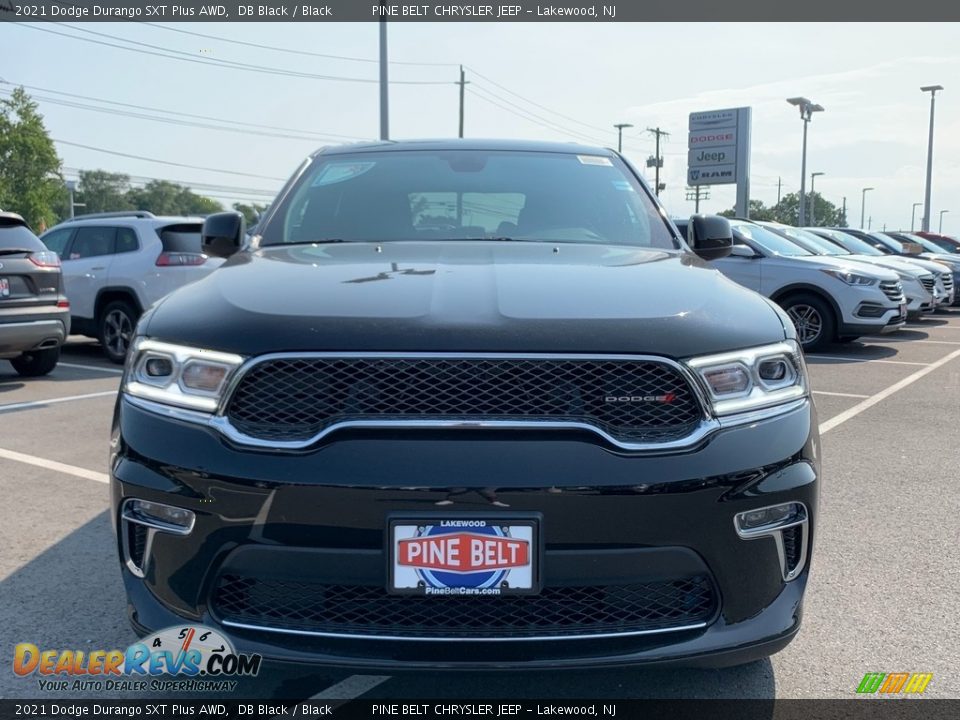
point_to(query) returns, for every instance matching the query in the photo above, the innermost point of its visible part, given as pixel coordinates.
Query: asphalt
(885, 574)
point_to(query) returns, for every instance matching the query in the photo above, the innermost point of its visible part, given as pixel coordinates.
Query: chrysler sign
(718, 151)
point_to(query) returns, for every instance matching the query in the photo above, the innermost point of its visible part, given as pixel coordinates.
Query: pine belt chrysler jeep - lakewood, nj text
(468, 404)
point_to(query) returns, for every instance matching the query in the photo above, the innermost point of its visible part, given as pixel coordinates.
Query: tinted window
(92, 241)
(810, 241)
(184, 237)
(851, 243)
(126, 240)
(56, 240)
(18, 236)
(450, 195)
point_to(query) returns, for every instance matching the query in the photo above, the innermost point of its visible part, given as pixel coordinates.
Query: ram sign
(718, 151)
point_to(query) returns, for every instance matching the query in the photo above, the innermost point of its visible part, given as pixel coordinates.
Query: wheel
(117, 322)
(813, 319)
(36, 363)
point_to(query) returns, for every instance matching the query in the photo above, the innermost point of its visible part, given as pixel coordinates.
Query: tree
(163, 197)
(787, 211)
(30, 181)
(251, 213)
(103, 191)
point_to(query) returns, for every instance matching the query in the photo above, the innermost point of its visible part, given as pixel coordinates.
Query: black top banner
(858, 11)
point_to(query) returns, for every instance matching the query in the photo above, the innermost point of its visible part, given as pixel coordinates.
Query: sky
(551, 81)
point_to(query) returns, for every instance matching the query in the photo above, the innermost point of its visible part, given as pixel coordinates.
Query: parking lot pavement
(885, 580)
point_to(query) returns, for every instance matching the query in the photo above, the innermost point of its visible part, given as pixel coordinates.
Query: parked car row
(838, 284)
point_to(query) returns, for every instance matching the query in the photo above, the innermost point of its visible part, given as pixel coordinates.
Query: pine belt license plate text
(4, 287)
(464, 556)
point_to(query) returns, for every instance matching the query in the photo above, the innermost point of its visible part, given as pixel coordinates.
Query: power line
(165, 162)
(524, 113)
(144, 179)
(114, 112)
(210, 62)
(318, 135)
(291, 51)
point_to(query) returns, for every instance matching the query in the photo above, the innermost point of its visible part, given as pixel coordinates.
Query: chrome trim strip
(153, 527)
(400, 638)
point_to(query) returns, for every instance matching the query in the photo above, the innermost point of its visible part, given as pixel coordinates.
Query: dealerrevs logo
(191, 651)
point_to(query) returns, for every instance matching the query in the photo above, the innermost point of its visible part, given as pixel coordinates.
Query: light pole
(620, 127)
(384, 85)
(913, 214)
(925, 222)
(863, 205)
(813, 201)
(807, 108)
(941, 221)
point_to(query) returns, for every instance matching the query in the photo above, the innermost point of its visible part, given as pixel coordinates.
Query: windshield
(469, 194)
(850, 242)
(888, 242)
(769, 240)
(927, 245)
(809, 241)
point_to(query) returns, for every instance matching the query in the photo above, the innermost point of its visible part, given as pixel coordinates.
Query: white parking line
(54, 465)
(885, 339)
(350, 688)
(853, 360)
(836, 420)
(112, 371)
(54, 401)
(839, 394)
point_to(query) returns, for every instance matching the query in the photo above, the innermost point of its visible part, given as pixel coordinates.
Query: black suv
(34, 313)
(468, 404)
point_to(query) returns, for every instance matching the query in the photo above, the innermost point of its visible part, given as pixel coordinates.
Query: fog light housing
(160, 516)
(787, 524)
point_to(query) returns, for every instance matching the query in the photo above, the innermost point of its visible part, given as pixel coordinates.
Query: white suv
(827, 298)
(116, 265)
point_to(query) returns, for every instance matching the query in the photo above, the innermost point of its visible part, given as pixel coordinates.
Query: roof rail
(118, 214)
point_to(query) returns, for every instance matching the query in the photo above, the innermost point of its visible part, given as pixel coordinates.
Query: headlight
(177, 375)
(850, 278)
(753, 379)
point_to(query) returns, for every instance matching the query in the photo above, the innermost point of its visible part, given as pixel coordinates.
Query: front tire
(813, 318)
(117, 323)
(37, 362)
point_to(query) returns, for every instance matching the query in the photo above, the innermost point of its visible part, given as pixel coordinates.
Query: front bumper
(608, 518)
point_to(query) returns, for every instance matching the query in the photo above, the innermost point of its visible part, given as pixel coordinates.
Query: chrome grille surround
(893, 289)
(485, 380)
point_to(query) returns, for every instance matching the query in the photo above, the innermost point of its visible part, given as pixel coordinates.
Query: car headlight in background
(177, 375)
(753, 379)
(851, 278)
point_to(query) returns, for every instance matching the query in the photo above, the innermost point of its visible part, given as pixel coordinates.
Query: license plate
(4, 287)
(464, 556)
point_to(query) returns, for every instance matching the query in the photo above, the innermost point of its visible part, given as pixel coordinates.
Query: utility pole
(813, 177)
(658, 162)
(384, 98)
(869, 222)
(620, 127)
(462, 84)
(863, 204)
(778, 189)
(807, 108)
(698, 193)
(845, 209)
(913, 212)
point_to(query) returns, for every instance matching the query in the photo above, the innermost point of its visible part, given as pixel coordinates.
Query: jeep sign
(718, 151)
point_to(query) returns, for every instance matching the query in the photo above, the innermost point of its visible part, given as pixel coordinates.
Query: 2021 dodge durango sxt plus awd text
(468, 404)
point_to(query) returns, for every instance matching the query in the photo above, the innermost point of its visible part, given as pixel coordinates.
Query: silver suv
(828, 299)
(116, 265)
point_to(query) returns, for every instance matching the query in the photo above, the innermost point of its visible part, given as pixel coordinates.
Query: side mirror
(710, 236)
(742, 251)
(222, 234)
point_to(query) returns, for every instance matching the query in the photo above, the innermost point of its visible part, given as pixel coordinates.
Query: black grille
(362, 610)
(295, 399)
(136, 542)
(892, 289)
(947, 279)
(792, 546)
(928, 283)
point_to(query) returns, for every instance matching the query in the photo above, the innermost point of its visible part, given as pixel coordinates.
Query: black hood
(465, 297)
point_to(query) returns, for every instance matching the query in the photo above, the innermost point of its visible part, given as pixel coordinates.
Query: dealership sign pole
(718, 152)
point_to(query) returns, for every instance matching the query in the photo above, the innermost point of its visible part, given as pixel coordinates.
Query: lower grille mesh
(557, 611)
